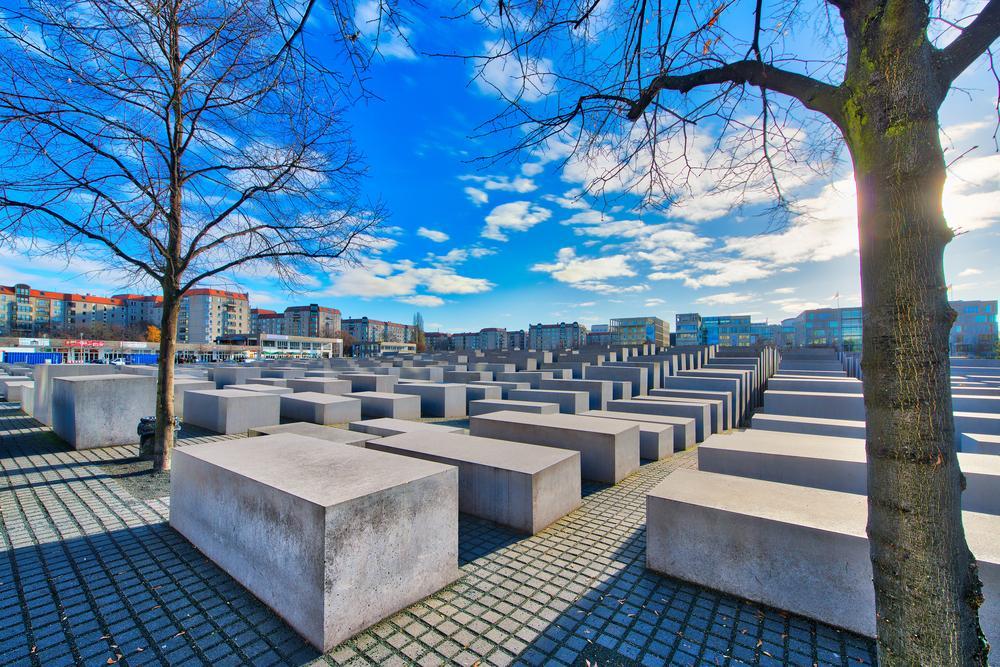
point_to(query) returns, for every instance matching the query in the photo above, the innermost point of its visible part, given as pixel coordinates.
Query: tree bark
(927, 590)
(165, 382)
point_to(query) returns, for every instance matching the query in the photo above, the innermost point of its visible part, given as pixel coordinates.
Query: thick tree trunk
(927, 591)
(165, 382)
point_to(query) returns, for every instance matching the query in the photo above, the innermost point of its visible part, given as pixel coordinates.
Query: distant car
(118, 362)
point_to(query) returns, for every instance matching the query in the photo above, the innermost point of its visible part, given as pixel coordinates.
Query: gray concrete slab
(375, 404)
(825, 405)
(609, 449)
(723, 396)
(101, 410)
(437, 400)
(385, 427)
(569, 402)
(44, 374)
(230, 410)
(980, 443)
(374, 382)
(321, 385)
(323, 409)
(715, 407)
(599, 391)
(634, 375)
(700, 413)
(333, 538)
(731, 386)
(260, 388)
(505, 387)
(683, 427)
(225, 375)
(795, 548)
(843, 428)
(483, 407)
(327, 433)
(523, 486)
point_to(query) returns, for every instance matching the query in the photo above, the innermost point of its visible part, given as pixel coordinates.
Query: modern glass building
(974, 332)
(639, 330)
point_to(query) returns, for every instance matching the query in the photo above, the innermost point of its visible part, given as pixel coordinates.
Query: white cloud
(460, 255)
(381, 279)
(426, 300)
(969, 272)
(514, 76)
(517, 184)
(972, 193)
(568, 268)
(724, 298)
(517, 216)
(607, 288)
(392, 42)
(433, 235)
(653, 303)
(476, 196)
(532, 168)
(785, 290)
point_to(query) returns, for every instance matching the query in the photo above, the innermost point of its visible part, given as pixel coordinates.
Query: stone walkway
(91, 575)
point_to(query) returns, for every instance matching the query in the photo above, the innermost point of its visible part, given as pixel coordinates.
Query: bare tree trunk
(165, 381)
(927, 589)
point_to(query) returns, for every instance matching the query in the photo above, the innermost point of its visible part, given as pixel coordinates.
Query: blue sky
(474, 244)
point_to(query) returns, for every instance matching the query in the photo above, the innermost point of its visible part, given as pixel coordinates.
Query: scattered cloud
(517, 184)
(378, 278)
(389, 40)
(460, 255)
(433, 235)
(476, 196)
(517, 216)
(654, 302)
(568, 268)
(724, 298)
(784, 290)
(514, 76)
(425, 300)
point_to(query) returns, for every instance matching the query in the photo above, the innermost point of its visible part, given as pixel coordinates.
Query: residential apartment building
(561, 336)
(599, 334)
(208, 313)
(640, 330)
(366, 330)
(517, 340)
(464, 341)
(311, 321)
(28, 311)
(437, 341)
(974, 332)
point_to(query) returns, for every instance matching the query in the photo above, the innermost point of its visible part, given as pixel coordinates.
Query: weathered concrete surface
(725, 398)
(481, 392)
(824, 405)
(683, 427)
(979, 443)
(283, 373)
(438, 400)
(333, 538)
(231, 410)
(376, 404)
(224, 375)
(505, 387)
(370, 382)
(796, 548)
(634, 375)
(324, 409)
(385, 427)
(260, 388)
(332, 386)
(807, 384)
(101, 410)
(609, 449)
(327, 433)
(716, 421)
(44, 374)
(836, 464)
(537, 408)
(523, 486)
(600, 391)
(187, 384)
(842, 428)
(569, 402)
(700, 413)
(731, 386)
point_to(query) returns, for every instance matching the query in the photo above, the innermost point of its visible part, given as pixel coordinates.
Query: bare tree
(180, 141)
(625, 84)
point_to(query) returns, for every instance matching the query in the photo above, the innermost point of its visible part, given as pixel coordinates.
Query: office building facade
(561, 336)
(640, 330)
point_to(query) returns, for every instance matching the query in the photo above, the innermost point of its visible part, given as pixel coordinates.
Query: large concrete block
(825, 405)
(533, 378)
(481, 392)
(261, 388)
(437, 400)
(6, 380)
(187, 384)
(467, 377)
(44, 374)
(376, 404)
(569, 402)
(526, 487)
(333, 538)
(505, 387)
(976, 403)
(836, 464)
(28, 398)
(385, 427)
(283, 373)
(429, 373)
(101, 410)
(978, 443)
(683, 428)
(324, 409)
(795, 548)
(370, 382)
(634, 375)
(716, 421)
(14, 390)
(600, 391)
(483, 407)
(270, 382)
(327, 433)
(609, 449)
(723, 397)
(731, 386)
(321, 385)
(810, 384)
(225, 375)
(842, 428)
(976, 422)
(231, 410)
(700, 413)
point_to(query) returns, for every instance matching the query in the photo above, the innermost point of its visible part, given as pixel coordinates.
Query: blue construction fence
(32, 357)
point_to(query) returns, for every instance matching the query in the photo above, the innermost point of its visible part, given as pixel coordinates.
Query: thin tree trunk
(927, 590)
(165, 382)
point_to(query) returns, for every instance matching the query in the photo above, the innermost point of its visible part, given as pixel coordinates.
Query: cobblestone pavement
(91, 575)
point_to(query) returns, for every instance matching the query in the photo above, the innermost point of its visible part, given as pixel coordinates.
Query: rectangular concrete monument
(536, 408)
(231, 410)
(376, 404)
(569, 402)
(101, 410)
(438, 400)
(327, 433)
(333, 538)
(324, 409)
(385, 427)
